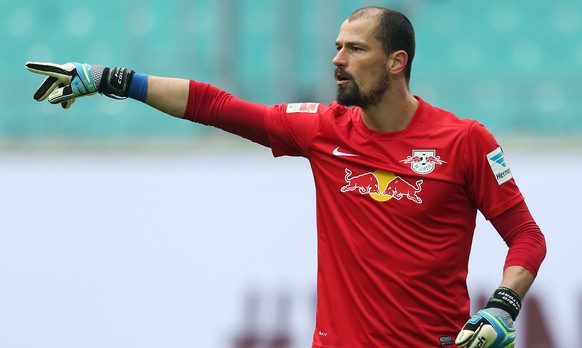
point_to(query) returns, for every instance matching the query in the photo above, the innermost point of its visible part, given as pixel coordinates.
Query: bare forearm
(517, 279)
(169, 95)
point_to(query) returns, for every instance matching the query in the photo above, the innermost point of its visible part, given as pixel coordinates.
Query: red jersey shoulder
(447, 118)
(338, 113)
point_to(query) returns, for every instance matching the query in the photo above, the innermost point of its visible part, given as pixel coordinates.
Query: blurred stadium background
(123, 227)
(513, 65)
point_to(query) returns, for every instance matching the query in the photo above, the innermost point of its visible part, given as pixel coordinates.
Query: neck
(392, 114)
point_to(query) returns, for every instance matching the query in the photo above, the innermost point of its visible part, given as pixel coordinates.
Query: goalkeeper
(398, 186)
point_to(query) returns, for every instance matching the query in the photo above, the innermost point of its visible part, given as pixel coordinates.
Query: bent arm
(169, 95)
(527, 247)
(518, 279)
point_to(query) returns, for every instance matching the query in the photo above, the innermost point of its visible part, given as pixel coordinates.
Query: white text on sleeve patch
(499, 166)
(310, 108)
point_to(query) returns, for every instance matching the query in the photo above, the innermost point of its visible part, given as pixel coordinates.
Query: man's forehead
(362, 29)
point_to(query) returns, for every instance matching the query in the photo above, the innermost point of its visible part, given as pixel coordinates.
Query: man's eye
(351, 48)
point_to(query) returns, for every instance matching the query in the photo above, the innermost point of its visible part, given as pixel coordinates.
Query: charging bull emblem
(398, 188)
(382, 186)
(365, 183)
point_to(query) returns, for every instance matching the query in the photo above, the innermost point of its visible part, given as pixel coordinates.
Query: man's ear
(397, 62)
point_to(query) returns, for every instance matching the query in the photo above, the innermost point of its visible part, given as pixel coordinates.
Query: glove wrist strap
(506, 299)
(138, 88)
(115, 81)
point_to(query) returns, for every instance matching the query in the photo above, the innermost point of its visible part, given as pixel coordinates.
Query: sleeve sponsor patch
(310, 108)
(499, 166)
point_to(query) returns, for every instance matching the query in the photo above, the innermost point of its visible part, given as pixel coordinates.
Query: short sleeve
(489, 179)
(292, 127)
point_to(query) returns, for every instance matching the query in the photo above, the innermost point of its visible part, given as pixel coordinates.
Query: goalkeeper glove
(492, 327)
(66, 82)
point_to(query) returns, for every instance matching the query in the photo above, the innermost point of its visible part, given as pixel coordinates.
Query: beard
(352, 95)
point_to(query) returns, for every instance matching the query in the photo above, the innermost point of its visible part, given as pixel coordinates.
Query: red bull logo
(382, 186)
(423, 161)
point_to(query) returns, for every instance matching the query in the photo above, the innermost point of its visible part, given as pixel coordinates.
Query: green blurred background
(513, 65)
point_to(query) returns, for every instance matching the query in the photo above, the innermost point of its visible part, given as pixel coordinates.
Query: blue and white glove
(492, 327)
(66, 82)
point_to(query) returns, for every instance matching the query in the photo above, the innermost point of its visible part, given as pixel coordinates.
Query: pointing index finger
(50, 69)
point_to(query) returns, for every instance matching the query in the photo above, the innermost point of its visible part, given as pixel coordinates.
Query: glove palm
(488, 328)
(66, 82)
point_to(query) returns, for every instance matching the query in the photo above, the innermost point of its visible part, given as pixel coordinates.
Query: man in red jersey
(398, 185)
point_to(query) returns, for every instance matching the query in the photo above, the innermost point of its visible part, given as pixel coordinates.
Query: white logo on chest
(423, 161)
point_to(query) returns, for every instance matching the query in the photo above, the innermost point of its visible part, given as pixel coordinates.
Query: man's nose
(340, 58)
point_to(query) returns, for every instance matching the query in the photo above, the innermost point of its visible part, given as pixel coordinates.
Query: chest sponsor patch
(499, 166)
(382, 186)
(310, 108)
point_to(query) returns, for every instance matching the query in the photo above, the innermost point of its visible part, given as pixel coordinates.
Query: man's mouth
(342, 78)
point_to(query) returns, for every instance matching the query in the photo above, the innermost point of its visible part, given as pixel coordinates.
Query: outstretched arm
(195, 101)
(169, 95)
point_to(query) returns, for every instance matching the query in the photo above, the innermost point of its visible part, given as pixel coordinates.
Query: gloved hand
(492, 327)
(66, 82)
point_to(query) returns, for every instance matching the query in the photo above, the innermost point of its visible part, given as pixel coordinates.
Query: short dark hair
(394, 31)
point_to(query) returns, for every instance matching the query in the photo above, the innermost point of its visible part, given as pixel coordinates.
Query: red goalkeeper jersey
(395, 212)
